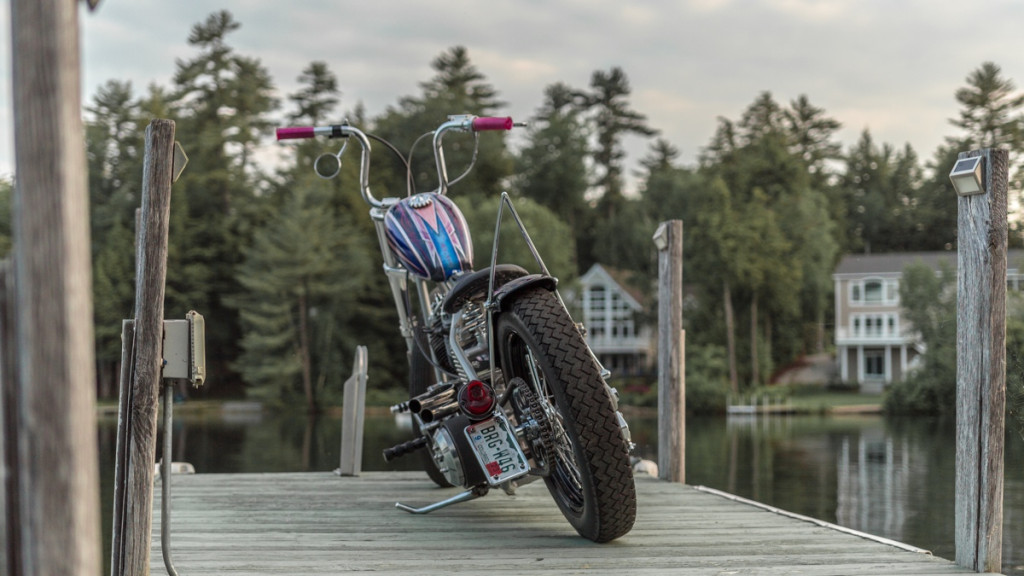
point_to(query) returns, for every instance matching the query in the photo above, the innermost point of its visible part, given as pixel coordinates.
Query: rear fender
(509, 289)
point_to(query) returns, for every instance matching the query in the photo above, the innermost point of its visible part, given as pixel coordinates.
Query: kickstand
(463, 497)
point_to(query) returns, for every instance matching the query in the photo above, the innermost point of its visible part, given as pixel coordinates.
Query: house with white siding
(875, 344)
(611, 313)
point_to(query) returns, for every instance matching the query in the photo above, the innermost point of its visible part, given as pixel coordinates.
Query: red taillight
(477, 398)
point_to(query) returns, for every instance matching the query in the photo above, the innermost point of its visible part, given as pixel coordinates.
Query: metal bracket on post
(352, 417)
(184, 354)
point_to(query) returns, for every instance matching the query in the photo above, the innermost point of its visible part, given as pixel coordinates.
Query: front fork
(399, 282)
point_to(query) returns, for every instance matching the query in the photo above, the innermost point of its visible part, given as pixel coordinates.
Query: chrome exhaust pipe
(428, 401)
(438, 412)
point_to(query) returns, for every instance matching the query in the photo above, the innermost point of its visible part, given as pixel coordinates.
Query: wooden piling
(56, 464)
(121, 452)
(981, 366)
(671, 364)
(353, 417)
(151, 275)
(11, 536)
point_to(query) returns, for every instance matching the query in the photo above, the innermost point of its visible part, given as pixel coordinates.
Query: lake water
(889, 477)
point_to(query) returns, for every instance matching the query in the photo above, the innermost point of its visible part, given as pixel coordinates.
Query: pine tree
(551, 167)
(300, 274)
(114, 149)
(221, 102)
(319, 95)
(990, 113)
(607, 103)
(457, 87)
(812, 139)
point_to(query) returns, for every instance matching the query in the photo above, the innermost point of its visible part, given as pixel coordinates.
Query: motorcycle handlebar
(466, 122)
(477, 124)
(295, 132)
(491, 123)
(299, 132)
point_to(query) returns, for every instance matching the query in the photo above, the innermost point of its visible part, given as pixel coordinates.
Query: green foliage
(551, 167)
(1015, 361)
(319, 94)
(707, 379)
(221, 101)
(300, 276)
(285, 266)
(885, 202)
(990, 110)
(552, 237)
(929, 300)
(114, 132)
(607, 105)
(456, 88)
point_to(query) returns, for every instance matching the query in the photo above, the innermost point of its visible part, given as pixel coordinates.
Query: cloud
(891, 66)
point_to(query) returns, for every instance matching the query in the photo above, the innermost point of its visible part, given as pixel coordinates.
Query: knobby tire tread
(590, 410)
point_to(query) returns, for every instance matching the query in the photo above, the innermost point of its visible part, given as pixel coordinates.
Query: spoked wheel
(588, 471)
(421, 377)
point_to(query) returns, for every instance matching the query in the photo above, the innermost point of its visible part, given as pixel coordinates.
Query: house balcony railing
(845, 336)
(603, 343)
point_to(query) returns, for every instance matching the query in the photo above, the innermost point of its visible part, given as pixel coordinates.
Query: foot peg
(463, 497)
(404, 448)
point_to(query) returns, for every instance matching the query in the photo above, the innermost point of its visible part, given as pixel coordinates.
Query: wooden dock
(319, 523)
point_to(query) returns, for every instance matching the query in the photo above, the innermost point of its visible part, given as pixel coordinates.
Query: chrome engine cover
(446, 455)
(454, 455)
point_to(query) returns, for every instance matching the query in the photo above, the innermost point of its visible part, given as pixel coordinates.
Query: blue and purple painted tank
(430, 236)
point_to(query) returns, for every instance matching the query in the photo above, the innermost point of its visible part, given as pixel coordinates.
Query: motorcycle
(503, 386)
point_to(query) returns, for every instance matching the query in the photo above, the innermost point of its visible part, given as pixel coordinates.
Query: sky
(889, 66)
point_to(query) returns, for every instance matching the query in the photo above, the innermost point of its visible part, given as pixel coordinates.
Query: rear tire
(590, 476)
(421, 377)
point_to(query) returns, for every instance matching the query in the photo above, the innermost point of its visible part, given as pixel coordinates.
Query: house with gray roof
(875, 344)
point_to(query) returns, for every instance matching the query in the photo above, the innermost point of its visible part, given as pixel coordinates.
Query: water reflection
(892, 478)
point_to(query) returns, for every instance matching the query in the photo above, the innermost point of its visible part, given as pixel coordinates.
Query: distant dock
(319, 523)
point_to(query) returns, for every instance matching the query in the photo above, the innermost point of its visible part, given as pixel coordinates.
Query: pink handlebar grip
(295, 132)
(492, 123)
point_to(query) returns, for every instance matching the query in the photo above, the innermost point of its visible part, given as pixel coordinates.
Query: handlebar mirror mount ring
(327, 166)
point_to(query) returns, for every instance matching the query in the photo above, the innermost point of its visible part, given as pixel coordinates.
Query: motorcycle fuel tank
(429, 235)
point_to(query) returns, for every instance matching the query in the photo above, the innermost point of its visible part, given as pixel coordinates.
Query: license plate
(497, 450)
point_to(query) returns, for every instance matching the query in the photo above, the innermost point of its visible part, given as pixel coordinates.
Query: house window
(597, 294)
(892, 291)
(596, 311)
(875, 325)
(873, 292)
(874, 364)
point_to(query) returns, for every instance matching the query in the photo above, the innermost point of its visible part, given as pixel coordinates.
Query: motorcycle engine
(454, 455)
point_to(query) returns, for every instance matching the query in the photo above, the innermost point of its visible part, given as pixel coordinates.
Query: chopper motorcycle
(503, 386)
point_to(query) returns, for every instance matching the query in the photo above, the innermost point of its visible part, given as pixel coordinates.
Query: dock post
(352, 417)
(133, 552)
(52, 473)
(671, 363)
(981, 364)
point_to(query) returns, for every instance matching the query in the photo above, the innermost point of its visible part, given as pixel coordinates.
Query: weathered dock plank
(318, 523)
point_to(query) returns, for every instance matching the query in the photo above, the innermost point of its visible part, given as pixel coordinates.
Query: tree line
(285, 266)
